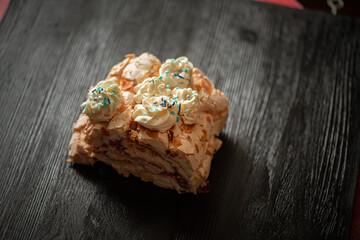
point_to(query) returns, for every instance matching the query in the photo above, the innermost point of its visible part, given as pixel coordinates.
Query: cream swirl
(189, 101)
(177, 70)
(156, 113)
(151, 87)
(103, 101)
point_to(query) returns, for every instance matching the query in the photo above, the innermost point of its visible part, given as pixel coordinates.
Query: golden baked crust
(178, 158)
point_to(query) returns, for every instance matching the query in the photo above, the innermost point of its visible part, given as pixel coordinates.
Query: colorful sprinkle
(185, 70)
(119, 137)
(84, 106)
(177, 88)
(105, 102)
(172, 113)
(167, 74)
(113, 92)
(169, 105)
(179, 108)
(168, 86)
(179, 61)
(109, 100)
(175, 98)
(178, 76)
(160, 77)
(173, 60)
(187, 110)
(177, 118)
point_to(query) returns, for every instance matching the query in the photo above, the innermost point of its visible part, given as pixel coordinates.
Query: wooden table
(289, 163)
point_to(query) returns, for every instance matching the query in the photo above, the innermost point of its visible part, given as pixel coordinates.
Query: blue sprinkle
(165, 103)
(113, 93)
(177, 88)
(105, 102)
(179, 61)
(175, 98)
(109, 100)
(119, 137)
(84, 106)
(177, 118)
(168, 86)
(178, 76)
(172, 113)
(160, 77)
(93, 90)
(187, 110)
(167, 74)
(173, 103)
(185, 70)
(173, 60)
(179, 108)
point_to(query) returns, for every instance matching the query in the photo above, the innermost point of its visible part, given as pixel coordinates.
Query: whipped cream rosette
(156, 113)
(189, 101)
(177, 70)
(103, 101)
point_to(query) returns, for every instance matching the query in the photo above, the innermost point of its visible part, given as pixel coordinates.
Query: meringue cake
(158, 122)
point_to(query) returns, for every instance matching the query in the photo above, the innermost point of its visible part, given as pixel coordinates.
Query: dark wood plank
(290, 158)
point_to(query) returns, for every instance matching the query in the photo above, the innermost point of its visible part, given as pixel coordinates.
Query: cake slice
(158, 122)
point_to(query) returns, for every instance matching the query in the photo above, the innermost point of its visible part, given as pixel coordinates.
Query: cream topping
(156, 113)
(160, 100)
(103, 101)
(189, 101)
(177, 72)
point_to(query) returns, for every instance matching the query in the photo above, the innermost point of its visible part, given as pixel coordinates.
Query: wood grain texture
(290, 158)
